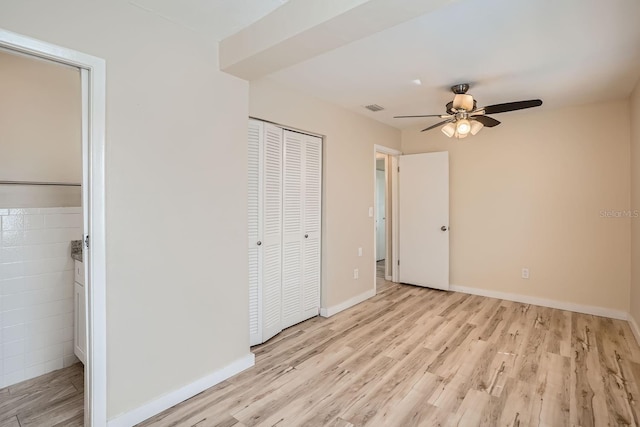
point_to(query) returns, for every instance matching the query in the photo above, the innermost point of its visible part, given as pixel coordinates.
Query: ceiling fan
(464, 118)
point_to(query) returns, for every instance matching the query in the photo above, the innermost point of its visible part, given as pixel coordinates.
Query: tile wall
(36, 291)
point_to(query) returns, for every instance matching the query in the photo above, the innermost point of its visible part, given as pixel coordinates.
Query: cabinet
(79, 313)
(285, 180)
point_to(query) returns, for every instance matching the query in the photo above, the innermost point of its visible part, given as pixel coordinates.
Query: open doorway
(381, 215)
(73, 207)
(43, 311)
(385, 233)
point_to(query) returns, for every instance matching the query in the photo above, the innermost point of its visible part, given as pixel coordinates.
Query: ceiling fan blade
(486, 121)
(511, 106)
(437, 124)
(427, 115)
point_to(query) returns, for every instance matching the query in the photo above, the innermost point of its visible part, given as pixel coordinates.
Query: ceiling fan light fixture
(461, 136)
(449, 129)
(463, 102)
(463, 127)
(476, 127)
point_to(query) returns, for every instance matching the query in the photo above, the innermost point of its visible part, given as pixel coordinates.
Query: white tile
(33, 358)
(53, 352)
(33, 222)
(12, 254)
(67, 333)
(34, 371)
(51, 235)
(13, 223)
(45, 266)
(70, 360)
(12, 270)
(53, 365)
(67, 348)
(13, 348)
(13, 319)
(14, 377)
(67, 220)
(12, 286)
(13, 333)
(56, 250)
(12, 238)
(66, 210)
(18, 211)
(13, 364)
(12, 302)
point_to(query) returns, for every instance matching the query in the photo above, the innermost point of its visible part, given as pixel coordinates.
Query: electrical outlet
(525, 273)
(359, 251)
(356, 273)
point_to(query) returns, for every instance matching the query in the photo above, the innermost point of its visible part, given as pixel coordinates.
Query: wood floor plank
(10, 422)
(409, 356)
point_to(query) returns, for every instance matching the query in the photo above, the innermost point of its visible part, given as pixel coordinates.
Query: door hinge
(398, 262)
(86, 241)
(398, 169)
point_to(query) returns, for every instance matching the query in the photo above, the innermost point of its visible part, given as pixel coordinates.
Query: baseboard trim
(525, 299)
(152, 408)
(634, 328)
(330, 311)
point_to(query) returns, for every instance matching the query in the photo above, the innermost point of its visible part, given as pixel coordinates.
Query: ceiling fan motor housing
(460, 89)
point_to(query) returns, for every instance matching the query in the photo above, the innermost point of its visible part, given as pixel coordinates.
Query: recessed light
(416, 82)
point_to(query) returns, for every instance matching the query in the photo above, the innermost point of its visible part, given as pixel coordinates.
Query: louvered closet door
(292, 226)
(254, 230)
(272, 232)
(312, 211)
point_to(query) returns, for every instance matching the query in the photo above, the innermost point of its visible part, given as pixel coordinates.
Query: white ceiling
(215, 19)
(566, 52)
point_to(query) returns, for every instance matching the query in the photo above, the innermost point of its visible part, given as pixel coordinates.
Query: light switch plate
(370, 211)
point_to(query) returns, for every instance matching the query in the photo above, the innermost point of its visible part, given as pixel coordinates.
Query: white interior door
(255, 162)
(424, 219)
(381, 227)
(312, 226)
(271, 242)
(292, 221)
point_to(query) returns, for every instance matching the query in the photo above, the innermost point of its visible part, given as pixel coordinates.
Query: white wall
(635, 202)
(40, 118)
(177, 287)
(533, 192)
(348, 181)
(36, 291)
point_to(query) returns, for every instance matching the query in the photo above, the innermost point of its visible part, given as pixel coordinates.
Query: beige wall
(40, 118)
(529, 193)
(635, 202)
(176, 225)
(348, 181)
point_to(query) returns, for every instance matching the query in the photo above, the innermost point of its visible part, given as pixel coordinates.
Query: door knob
(306, 236)
(259, 243)
(443, 228)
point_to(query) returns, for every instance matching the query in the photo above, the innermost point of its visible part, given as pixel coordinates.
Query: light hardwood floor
(414, 356)
(54, 399)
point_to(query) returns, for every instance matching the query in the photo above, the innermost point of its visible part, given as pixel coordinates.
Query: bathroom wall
(36, 291)
(40, 138)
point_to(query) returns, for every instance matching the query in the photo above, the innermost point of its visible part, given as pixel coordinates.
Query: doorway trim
(93, 179)
(391, 172)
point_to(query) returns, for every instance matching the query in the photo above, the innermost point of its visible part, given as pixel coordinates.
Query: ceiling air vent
(374, 107)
